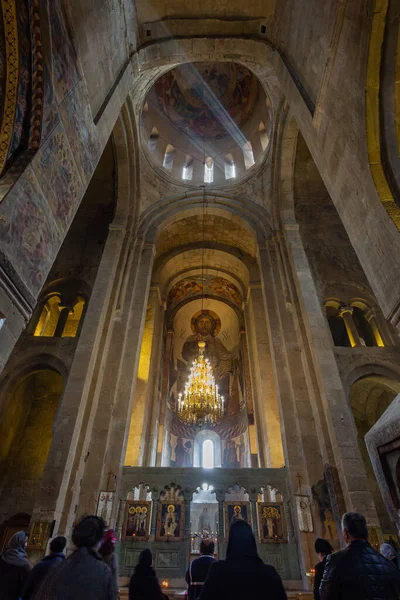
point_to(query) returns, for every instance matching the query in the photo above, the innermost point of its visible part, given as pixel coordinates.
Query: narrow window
(187, 171)
(230, 168)
(74, 317)
(49, 318)
(264, 137)
(207, 461)
(169, 157)
(209, 170)
(248, 155)
(2, 319)
(153, 139)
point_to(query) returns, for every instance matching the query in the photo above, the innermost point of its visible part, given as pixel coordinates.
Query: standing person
(108, 555)
(42, 569)
(144, 584)
(243, 574)
(14, 567)
(83, 575)
(358, 572)
(199, 567)
(323, 549)
(390, 553)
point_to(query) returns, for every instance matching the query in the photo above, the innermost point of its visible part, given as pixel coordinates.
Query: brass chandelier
(201, 402)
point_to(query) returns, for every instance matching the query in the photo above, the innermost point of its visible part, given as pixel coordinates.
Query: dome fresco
(208, 99)
(206, 122)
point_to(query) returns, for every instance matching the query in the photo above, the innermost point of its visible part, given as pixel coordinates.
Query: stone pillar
(155, 497)
(220, 497)
(120, 518)
(164, 396)
(371, 318)
(61, 472)
(62, 319)
(346, 313)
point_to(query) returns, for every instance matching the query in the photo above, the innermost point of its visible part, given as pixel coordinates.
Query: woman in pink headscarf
(107, 553)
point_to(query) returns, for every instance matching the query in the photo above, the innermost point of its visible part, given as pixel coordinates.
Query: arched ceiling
(370, 397)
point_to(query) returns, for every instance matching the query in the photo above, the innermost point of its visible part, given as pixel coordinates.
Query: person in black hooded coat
(243, 574)
(144, 584)
(14, 567)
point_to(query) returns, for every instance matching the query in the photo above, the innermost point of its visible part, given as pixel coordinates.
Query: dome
(206, 122)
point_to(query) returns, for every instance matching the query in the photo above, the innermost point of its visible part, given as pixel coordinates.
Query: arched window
(153, 139)
(264, 137)
(337, 327)
(248, 155)
(363, 327)
(230, 168)
(207, 454)
(2, 319)
(74, 317)
(48, 320)
(209, 170)
(187, 171)
(169, 157)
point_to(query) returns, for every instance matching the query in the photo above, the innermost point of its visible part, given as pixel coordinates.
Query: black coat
(236, 579)
(144, 585)
(12, 580)
(197, 574)
(39, 572)
(319, 573)
(359, 573)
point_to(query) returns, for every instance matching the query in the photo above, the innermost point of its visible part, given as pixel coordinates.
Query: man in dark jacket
(41, 570)
(358, 572)
(199, 567)
(323, 549)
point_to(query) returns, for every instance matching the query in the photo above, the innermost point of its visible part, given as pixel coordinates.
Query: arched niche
(26, 430)
(203, 436)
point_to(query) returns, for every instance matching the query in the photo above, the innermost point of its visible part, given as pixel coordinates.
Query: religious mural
(271, 520)
(235, 453)
(208, 285)
(137, 521)
(235, 510)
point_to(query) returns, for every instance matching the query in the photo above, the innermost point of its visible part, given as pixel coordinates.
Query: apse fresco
(213, 286)
(202, 99)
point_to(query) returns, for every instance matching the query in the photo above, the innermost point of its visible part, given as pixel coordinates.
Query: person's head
(388, 551)
(242, 543)
(145, 559)
(108, 545)
(354, 527)
(205, 324)
(58, 544)
(89, 532)
(322, 548)
(207, 547)
(18, 541)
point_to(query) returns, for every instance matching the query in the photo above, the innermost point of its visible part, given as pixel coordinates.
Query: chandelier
(201, 402)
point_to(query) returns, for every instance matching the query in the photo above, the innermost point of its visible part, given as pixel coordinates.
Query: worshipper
(144, 584)
(108, 554)
(323, 549)
(358, 572)
(42, 569)
(390, 553)
(199, 567)
(243, 574)
(83, 575)
(14, 567)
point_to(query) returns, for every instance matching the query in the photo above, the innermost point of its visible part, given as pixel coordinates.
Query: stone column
(155, 496)
(62, 319)
(62, 467)
(164, 395)
(220, 497)
(346, 313)
(371, 318)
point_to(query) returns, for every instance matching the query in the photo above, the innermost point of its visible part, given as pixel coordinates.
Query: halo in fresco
(213, 317)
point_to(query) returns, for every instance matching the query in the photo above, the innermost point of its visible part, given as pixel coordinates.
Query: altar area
(169, 509)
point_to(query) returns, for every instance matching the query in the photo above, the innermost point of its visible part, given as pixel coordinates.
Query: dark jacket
(359, 573)
(39, 572)
(319, 573)
(12, 580)
(144, 585)
(236, 579)
(197, 574)
(82, 576)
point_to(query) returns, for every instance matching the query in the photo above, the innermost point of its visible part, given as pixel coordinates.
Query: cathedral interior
(192, 188)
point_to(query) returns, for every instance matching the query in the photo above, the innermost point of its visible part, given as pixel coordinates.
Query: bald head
(207, 547)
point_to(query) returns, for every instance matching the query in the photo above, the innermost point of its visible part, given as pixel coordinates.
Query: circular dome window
(206, 122)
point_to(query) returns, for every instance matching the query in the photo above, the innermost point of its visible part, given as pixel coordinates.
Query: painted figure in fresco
(168, 450)
(180, 453)
(188, 457)
(230, 455)
(204, 326)
(272, 523)
(204, 521)
(171, 522)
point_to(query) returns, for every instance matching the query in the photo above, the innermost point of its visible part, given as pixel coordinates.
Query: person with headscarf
(42, 568)
(323, 549)
(14, 567)
(108, 555)
(83, 575)
(144, 584)
(243, 574)
(390, 553)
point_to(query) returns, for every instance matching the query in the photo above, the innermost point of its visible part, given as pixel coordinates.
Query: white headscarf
(388, 551)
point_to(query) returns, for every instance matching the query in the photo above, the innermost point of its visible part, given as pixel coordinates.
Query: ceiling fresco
(195, 286)
(208, 100)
